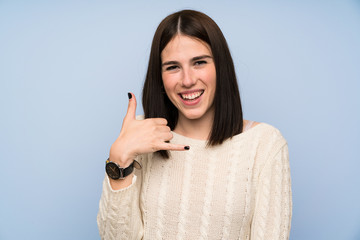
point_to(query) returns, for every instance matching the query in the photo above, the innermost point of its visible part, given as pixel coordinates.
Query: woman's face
(189, 77)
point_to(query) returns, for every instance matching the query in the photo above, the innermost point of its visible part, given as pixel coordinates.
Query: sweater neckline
(200, 142)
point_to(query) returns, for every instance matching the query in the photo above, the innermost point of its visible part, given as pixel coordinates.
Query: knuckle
(163, 121)
(154, 128)
(148, 121)
(153, 147)
(170, 135)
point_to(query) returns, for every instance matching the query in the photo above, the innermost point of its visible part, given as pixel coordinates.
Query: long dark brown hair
(228, 117)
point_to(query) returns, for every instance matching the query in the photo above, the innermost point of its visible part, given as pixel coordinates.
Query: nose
(188, 78)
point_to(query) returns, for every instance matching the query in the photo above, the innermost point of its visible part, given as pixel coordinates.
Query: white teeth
(191, 96)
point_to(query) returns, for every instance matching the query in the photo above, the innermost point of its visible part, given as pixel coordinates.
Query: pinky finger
(174, 147)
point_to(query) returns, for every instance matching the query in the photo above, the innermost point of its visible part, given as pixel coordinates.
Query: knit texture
(240, 189)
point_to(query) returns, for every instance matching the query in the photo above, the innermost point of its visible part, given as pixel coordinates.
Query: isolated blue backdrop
(65, 69)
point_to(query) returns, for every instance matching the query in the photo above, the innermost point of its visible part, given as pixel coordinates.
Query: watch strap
(121, 172)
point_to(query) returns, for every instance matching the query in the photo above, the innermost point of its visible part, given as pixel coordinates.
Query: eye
(201, 62)
(170, 68)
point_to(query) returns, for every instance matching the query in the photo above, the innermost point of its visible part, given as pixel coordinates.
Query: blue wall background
(65, 69)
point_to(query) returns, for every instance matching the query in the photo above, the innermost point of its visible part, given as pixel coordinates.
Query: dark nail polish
(187, 147)
(129, 95)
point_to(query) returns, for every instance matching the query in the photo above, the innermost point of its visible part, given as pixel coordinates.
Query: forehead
(182, 46)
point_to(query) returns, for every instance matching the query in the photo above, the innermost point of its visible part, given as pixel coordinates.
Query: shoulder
(271, 133)
(249, 124)
(265, 136)
(271, 139)
(267, 141)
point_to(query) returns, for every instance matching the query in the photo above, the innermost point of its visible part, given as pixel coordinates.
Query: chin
(193, 115)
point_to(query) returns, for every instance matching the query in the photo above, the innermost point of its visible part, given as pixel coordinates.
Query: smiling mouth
(191, 96)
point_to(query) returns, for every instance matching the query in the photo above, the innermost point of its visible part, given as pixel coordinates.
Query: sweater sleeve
(273, 206)
(119, 215)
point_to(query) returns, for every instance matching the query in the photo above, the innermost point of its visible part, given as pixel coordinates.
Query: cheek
(210, 79)
(169, 89)
(169, 84)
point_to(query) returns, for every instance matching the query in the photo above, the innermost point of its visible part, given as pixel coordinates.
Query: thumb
(131, 111)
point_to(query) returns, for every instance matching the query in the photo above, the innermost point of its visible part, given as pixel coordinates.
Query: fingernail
(129, 95)
(187, 147)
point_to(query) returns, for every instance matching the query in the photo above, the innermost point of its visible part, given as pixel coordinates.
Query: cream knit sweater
(238, 190)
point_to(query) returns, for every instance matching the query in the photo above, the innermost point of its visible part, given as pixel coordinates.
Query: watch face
(112, 170)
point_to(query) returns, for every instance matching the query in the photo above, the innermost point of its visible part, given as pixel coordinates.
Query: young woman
(206, 172)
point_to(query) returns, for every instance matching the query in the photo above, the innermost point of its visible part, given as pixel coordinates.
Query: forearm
(119, 215)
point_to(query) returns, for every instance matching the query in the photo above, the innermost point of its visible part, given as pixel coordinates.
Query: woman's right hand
(141, 136)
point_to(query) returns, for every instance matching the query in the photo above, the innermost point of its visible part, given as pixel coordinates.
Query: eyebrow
(192, 60)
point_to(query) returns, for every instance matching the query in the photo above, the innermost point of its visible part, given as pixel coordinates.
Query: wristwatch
(115, 172)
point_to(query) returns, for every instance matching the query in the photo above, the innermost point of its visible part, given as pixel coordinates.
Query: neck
(195, 128)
